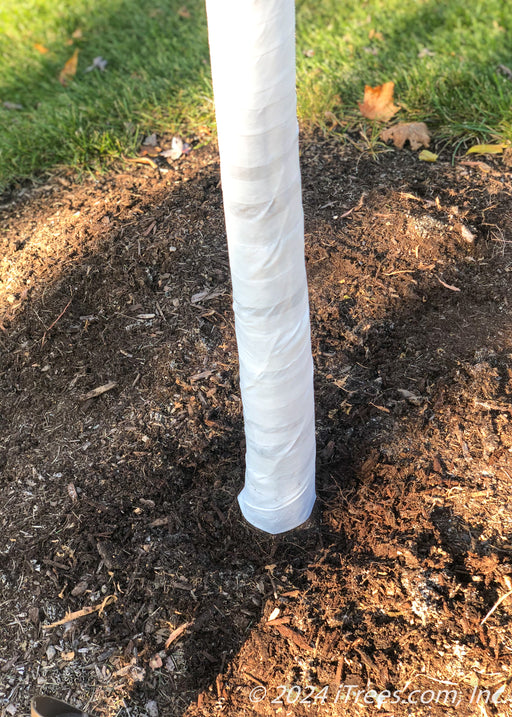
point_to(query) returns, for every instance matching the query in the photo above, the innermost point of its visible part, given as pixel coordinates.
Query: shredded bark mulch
(129, 583)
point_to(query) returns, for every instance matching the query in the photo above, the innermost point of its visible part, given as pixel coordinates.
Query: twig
(493, 406)
(57, 319)
(447, 286)
(99, 390)
(358, 206)
(70, 616)
(496, 605)
(401, 271)
(176, 633)
(142, 160)
(255, 679)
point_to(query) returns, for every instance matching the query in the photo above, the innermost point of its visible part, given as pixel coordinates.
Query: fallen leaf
(150, 151)
(77, 34)
(487, 148)
(69, 70)
(178, 147)
(415, 132)
(41, 48)
(375, 35)
(184, 12)
(68, 656)
(72, 492)
(426, 156)
(378, 102)
(425, 52)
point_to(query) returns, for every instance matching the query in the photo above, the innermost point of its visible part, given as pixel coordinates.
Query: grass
(157, 78)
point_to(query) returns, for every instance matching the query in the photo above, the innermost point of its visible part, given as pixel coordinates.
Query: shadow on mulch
(132, 493)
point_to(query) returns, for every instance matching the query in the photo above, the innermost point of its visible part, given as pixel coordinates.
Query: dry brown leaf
(415, 132)
(41, 48)
(184, 12)
(69, 70)
(378, 102)
(375, 35)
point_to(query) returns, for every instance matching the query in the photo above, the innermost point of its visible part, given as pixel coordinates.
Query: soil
(121, 448)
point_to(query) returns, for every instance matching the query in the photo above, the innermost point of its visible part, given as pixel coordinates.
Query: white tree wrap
(252, 48)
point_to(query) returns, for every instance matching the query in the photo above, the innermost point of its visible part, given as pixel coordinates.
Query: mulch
(121, 448)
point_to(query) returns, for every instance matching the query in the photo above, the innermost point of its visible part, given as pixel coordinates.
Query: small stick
(176, 633)
(358, 206)
(447, 286)
(58, 317)
(142, 160)
(99, 390)
(401, 271)
(70, 616)
(497, 604)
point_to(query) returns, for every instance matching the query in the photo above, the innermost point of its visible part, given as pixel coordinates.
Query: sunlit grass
(442, 56)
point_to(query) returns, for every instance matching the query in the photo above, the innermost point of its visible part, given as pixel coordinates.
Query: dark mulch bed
(124, 503)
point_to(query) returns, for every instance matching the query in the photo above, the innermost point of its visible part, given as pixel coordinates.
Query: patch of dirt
(121, 505)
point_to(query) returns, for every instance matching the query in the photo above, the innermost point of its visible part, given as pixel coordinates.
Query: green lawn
(157, 77)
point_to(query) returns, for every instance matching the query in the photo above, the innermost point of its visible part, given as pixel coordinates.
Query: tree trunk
(252, 48)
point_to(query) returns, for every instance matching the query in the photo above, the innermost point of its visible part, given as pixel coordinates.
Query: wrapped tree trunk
(252, 48)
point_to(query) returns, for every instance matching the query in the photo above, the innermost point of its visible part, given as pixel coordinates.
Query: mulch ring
(121, 449)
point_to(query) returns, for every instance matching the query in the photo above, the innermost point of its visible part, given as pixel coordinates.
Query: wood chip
(149, 229)
(176, 633)
(99, 390)
(279, 621)
(294, 637)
